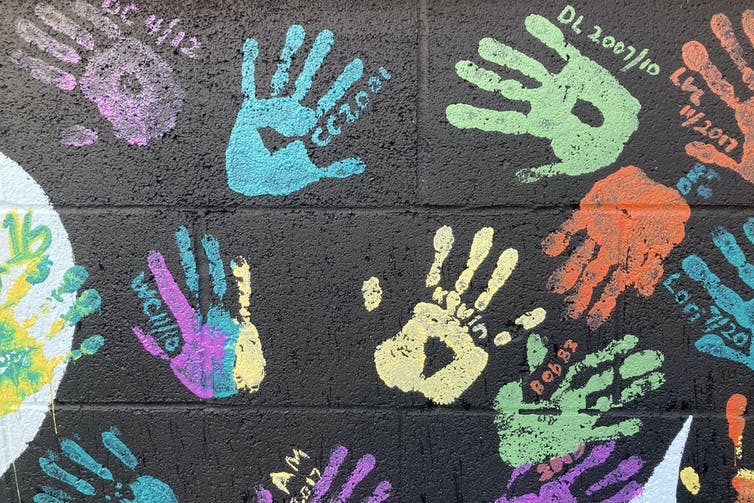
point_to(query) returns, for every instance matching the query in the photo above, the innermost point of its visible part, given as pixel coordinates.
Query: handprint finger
(465, 116)
(293, 41)
(363, 467)
(733, 253)
(626, 494)
(120, 450)
(490, 81)
(33, 35)
(709, 154)
(601, 310)
(480, 248)
(216, 266)
(51, 495)
(380, 493)
(640, 363)
(188, 260)
(240, 269)
(250, 53)
(320, 489)
(343, 169)
(749, 230)
(627, 428)
(565, 277)
(556, 242)
(150, 343)
(613, 349)
(723, 30)
(44, 72)
(594, 273)
(696, 58)
(443, 243)
(65, 25)
(78, 455)
(506, 56)
(725, 297)
(597, 456)
(646, 276)
(172, 295)
(715, 346)
(350, 74)
(321, 47)
(597, 382)
(91, 13)
(506, 262)
(625, 470)
(550, 35)
(53, 470)
(641, 387)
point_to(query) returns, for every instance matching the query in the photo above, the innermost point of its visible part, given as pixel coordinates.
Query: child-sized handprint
(581, 148)
(219, 354)
(400, 360)
(531, 432)
(321, 489)
(563, 490)
(145, 489)
(697, 59)
(25, 366)
(131, 85)
(725, 297)
(632, 223)
(252, 168)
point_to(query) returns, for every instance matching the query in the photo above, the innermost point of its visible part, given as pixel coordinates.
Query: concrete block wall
(143, 142)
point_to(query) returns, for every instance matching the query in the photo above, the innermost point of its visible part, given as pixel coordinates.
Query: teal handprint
(725, 298)
(145, 489)
(581, 148)
(251, 167)
(532, 432)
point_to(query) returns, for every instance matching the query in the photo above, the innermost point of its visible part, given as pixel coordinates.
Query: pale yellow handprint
(400, 360)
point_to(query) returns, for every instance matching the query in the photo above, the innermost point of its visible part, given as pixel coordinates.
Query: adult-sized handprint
(140, 111)
(321, 489)
(145, 489)
(531, 432)
(697, 59)
(563, 490)
(252, 168)
(632, 223)
(25, 368)
(581, 148)
(219, 354)
(400, 360)
(725, 297)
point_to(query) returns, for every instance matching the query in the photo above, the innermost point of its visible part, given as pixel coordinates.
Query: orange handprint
(632, 223)
(696, 58)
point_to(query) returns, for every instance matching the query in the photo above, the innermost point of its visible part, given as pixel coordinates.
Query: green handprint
(533, 432)
(581, 148)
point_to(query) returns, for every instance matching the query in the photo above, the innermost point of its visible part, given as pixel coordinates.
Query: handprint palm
(563, 490)
(137, 115)
(697, 59)
(400, 360)
(723, 296)
(220, 353)
(581, 148)
(632, 223)
(252, 169)
(542, 434)
(145, 489)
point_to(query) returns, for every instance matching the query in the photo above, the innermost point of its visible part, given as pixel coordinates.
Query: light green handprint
(533, 432)
(581, 148)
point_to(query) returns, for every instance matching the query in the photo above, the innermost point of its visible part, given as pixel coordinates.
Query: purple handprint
(131, 85)
(560, 488)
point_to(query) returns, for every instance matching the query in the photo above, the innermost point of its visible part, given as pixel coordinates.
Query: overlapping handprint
(321, 489)
(531, 432)
(618, 485)
(581, 148)
(144, 488)
(400, 360)
(139, 112)
(696, 57)
(217, 354)
(251, 167)
(632, 223)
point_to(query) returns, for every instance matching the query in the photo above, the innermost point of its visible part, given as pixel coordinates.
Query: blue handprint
(145, 489)
(252, 169)
(725, 298)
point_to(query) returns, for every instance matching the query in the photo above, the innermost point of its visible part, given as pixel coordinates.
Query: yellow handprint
(400, 360)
